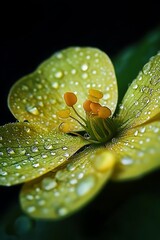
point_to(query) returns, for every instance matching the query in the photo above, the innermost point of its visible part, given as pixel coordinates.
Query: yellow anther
(104, 112)
(86, 106)
(70, 99)
(65, 127)
(63, 113)
(95, 93)
(95, 107)
(93, 99)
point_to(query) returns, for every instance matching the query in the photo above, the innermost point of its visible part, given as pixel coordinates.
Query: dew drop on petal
(10, 151)
(126, 161)
(84, 67)
(48, 183)
(59, 74)
(32, 109)
(85, 185)
(62, 211)
(146, 68)
(34, 149)
(31, 209)
(104, 162)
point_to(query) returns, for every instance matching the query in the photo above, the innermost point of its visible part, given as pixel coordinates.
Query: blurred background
(30, 32)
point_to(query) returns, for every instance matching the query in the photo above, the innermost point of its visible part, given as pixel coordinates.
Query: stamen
(70, 99)
(104, 112)
(93, 99)
(86, 106)
(97, 124)
(95, 107)
(64, 127)
(95, 93)
(63, 113)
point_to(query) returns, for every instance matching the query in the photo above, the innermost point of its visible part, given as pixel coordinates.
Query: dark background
(31, 31)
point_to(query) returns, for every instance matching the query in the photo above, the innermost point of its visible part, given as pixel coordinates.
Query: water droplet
(145, 101)
(43, 155)
(25, 88)
(135, 86)
(60, 175)
(85, 185)
(34, 149)
(104, 162)
(10, 151)
(70, 167)
(155, 80)
(29, 197)
(64, 148)
(48, 146)
(1, 154)
(22, 151)
(84, 67)
(32, 109)
(127, 161)
(55, 85)
(84, 75)
(1, 138)
(59, 74)
(145, 89)
(31, 209)
(142, 129)
(73, 71)
(66, 155)
(27, 129)
(62, 211)
(48, 183)
(138, 113)
(3, 173)
(18, 166)
(146, 68)
(35, 165)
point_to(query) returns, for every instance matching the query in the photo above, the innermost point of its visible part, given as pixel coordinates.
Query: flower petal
(27, 152)
(38, 96)
(141, 103)
(56, 195)
(138, 151)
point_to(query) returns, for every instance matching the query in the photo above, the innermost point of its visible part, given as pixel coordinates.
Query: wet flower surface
(68, 142)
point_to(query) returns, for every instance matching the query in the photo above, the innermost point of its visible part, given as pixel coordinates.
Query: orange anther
(104, 112)
(86, 106)
(70, 98)
(95, 107)
(95, 93)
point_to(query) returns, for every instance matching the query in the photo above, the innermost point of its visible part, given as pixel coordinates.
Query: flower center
(98, 125)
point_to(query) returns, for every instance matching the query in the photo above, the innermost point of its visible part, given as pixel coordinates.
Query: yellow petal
(38, 96)
(27, 152)
(59, 194)
(138, 151)
(141, 103)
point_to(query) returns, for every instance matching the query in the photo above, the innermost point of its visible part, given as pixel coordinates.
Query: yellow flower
(68, 142)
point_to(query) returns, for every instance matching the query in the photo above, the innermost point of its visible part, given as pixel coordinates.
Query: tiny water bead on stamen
(98, 125)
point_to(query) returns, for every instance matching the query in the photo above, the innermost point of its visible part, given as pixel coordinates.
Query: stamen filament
(78, 115)
(78, 122)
